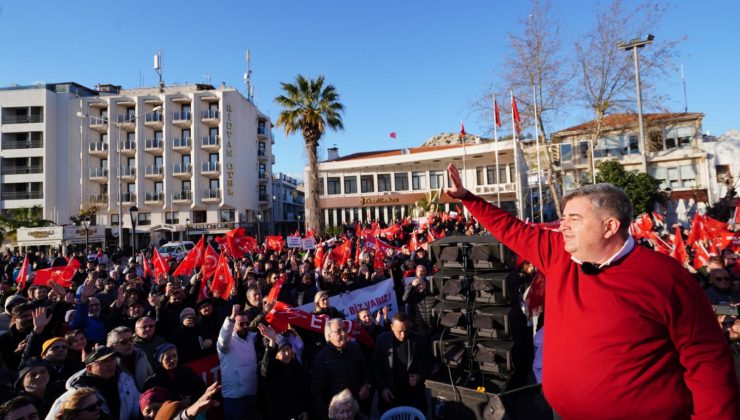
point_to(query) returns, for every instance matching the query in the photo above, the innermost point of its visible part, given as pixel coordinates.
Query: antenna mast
(158, 69)
(248, 78)
(685, 98)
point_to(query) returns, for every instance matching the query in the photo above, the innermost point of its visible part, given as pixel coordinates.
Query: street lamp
(187, 229)
(298, 223)
(634, 45)
(259, 229)
(133, 212)
(86, 223)
(118, 125)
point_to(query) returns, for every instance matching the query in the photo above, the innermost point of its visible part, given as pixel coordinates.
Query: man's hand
(121, 297)
(268, 333)
(234, 310)
(21, 347)
(387, 396)
(57, 288)
(88, 290)
(457, 190)
(206, 401)
(40, 319)
(364, 392)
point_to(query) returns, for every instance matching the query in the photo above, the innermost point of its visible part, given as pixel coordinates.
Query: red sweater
(638, 340)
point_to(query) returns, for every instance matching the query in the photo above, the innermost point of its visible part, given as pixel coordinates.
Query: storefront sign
(379, 200)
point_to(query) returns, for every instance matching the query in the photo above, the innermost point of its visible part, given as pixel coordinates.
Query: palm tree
(311, 107)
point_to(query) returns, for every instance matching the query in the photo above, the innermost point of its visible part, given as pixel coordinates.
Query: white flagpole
(462, 139)
(495, 142)
(539, 167)
(517, 180)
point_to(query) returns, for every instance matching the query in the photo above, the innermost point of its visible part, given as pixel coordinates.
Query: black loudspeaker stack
(485, 348)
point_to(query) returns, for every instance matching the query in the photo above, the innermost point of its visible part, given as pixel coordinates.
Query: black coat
(185, 384)
(333, 371)
(280, 380)
(382, 366)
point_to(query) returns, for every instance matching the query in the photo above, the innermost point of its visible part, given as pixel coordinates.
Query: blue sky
(413, 67)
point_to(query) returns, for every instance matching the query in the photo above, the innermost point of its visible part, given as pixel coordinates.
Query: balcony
(22, 144)
(153, 119)
(99, 124)
(150, 197)
(210, 143)
(182, 170)
(181, 119)
(210, 168)
(211, 194)
(262, 156)
(126, 120)
(99, 174)
(154, 145)
(98, 149)
(128, 197)
(154, 171)
(21, 170)
(127, 172)
(182, 196)
(182, 144)
(99, 198)
(263, 177)
(22, 195)
(128, 148)
(210, 117)
(263, 198)
(22, 119)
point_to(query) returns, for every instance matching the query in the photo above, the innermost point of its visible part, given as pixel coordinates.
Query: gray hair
(338, 401)
(113, 335)
(329, 324)
(606, 197)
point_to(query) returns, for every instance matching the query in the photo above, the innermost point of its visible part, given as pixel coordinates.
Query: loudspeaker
(487, 356)
(468, 252)
(487, 288)
(487, 320)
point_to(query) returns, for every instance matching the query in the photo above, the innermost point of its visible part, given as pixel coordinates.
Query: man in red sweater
(629, 332)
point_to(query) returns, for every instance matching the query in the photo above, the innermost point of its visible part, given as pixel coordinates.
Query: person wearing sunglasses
(130, 359)
(720, 289)
(83, 404)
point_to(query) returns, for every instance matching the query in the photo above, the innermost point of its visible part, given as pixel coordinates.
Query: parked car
(177, 250)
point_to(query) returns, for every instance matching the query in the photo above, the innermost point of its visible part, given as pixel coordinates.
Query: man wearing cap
(116, 390)
(130, 359)
(5, 316)
(13, 342)
(53, 351)
(34, 382)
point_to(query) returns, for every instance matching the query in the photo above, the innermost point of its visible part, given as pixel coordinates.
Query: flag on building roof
(393, 134)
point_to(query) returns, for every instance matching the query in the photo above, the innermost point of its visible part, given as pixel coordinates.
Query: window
(186, 133)
(158, 135)
(114, 220)
(214, 184)
(418, 180)
(321, 186)
(172, 218)
(678, 137)
(263, 193)
(144, 219)
(436, 179)
(491, 175)
(131, 136)
(261, 148)
(723, 173)
(333, 187)
(655, 141)
(350, 184)
(566, 152)
(384, 182)
(479, 176)
(367, 184)
(402, 181)
(200, 216)
(583, 151)
(502, 178)
(227, 215)
(158, 187)
(187, 185)
(634, 145)
(104, 138)
(568, 181)
(262, 170)
(683, 176)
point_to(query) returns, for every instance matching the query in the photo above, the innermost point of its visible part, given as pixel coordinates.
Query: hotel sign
(229, 153)
(378, 200)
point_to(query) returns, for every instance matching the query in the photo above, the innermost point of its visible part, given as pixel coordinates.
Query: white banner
(294, 241)
(373, 297)
(308, 243)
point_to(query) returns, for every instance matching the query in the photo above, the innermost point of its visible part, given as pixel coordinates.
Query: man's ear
(611, 227)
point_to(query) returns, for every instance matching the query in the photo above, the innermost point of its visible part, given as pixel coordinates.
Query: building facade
(288, 206)
(386, 185)
(190, 159)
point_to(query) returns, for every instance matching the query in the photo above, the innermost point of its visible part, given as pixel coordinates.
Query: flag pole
(539, 167)
(515, 140)
(462, 139)
(495, 142)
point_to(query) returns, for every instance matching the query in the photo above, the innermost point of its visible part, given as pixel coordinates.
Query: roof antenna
(685, 98)
(248, 79)
(158, 69)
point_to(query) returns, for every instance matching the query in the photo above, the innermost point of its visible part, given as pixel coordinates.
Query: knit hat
(186, 313)
(161, 349)
(13, 300)
(48, 343)
(153, 395)
(169, 410)
(282, 341)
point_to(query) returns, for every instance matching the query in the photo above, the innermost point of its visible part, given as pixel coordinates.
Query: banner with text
(373, 297)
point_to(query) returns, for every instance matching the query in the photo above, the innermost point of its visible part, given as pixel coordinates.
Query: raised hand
(88, 290)
(235, 310)
(268, 333)
(40, 319)
(457, 190)
(206, 401)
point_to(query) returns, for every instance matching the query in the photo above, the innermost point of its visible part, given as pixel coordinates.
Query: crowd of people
(116, 342)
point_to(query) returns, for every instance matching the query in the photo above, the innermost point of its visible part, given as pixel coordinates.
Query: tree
(11, 220)
(87, 211)
(311, 107)
(606, 79)
(642, 189)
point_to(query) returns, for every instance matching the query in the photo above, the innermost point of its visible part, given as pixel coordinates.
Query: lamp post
(275, 217)
(86, 223)
(259, 228)
(133, 212)
(187, 229)
(298, 223)
(634, 45)
(118, 151)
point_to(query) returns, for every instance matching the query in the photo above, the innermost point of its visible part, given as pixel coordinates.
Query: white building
(385, 185)
(724, 162)
(190, 158)
(288, 206)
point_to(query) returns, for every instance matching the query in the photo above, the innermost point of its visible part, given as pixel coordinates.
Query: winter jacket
(142, 370)
(419, 307)
(335, 370)
(127, 392)
(185, 385)
(282, 379)
(238, 361)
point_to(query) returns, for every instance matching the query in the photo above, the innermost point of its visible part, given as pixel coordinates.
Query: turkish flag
(274, 243)
(74, 263)
(236, 233)
(61, 275)
(275, 290)
(393, 134)
(193, 259)
(210, 261)
(223, 281)
(279, 319)
(240, 245)
(21, 280)
(701, 256)
(697, 230)
(146, 268)
(515, 116)
(318, 259)
(496, 116)
(160, 265)
(342, 253)
(462, 131)
(679, 250)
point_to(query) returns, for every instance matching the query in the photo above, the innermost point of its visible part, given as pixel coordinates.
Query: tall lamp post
(133, 211)
(131, 118)
(259, 228)
(86, 223)
(634, 45)
(187, 229)
(298, 223)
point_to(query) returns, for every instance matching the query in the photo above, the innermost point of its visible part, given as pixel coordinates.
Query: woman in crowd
(344, 407)
(77, 342)
(180, 381)
(83, 404)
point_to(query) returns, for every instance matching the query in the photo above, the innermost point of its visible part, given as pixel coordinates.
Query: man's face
(720, 279)
(24, 321)
(176, 295)
(337, 335)
(241, 324)
(136, 311)
(399, 329)
(94, 307)
(104, 369)
(79, 342)
(124, 344)
(27, 412)
(36, 379)
(57, 352)
(734, 330)
(40, 293)
(145, 329)
(150, 411)
(254, 297)
(583, 229)
(421, 272)
(206, 310)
